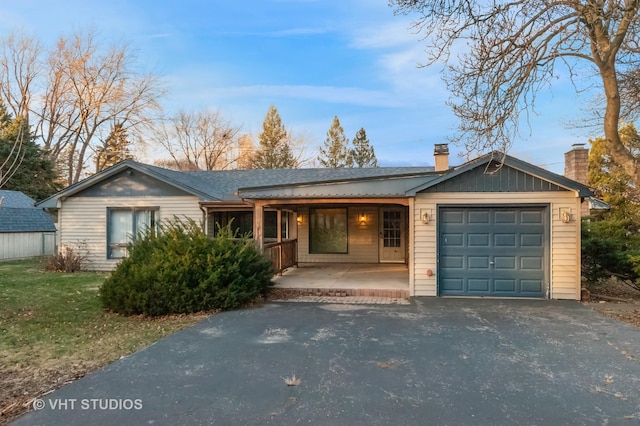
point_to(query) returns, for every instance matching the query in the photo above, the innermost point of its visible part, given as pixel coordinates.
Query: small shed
(25, 231)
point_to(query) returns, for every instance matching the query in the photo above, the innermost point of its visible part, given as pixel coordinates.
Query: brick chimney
(576, 163)
(441, 156)
(576, 167)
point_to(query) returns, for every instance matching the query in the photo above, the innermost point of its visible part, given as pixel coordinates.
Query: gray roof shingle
(25, 220)
(224, 184)
(15, 199)
(17, 214)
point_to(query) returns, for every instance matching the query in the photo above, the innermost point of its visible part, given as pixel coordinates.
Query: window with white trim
(123, 224)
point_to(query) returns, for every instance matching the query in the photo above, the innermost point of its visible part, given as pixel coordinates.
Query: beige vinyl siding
(83, 222)
(362, 239)
(22, 245)
(564, 253)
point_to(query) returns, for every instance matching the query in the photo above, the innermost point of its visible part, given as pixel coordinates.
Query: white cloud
(290, 32)
(387, 35)
(398, 53)
(330, 94)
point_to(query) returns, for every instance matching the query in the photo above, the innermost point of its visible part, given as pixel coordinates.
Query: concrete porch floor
(349, 279)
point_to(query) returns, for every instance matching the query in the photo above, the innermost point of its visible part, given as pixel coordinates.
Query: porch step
(345, 292)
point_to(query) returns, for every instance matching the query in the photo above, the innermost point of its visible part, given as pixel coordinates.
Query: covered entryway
(492, 251)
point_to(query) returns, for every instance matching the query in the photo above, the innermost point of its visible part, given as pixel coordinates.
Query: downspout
(205, 219)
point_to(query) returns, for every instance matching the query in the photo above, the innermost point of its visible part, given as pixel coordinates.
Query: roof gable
(130, 183)
(494, 179)
(497, 172)
(167, 177)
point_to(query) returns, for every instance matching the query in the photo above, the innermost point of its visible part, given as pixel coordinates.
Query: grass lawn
(53, 330)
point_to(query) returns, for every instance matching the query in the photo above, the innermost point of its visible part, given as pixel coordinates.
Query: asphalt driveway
(437, 361)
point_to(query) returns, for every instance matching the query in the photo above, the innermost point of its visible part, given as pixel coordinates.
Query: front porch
(347, 279)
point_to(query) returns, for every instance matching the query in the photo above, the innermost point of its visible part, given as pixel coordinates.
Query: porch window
(328, 231)
(284, 225)
(271, 225)
(123, 224)
(242, 221)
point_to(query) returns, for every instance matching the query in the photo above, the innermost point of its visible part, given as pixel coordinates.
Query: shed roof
(15, 199)
(17, 214)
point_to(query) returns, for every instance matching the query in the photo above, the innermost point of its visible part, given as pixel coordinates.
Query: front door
(392, 235)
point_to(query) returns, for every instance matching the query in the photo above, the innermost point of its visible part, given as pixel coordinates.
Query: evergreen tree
(274, 150)
(362, 154)
(34, 173)
(336, 152)
(114, 149)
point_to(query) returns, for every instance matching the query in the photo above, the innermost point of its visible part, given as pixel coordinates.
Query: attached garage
(496, 227)
(492, 251)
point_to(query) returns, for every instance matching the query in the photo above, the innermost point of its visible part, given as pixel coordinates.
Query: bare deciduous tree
(202, 140)
(84, 86)
(513, 49)
(89, 87)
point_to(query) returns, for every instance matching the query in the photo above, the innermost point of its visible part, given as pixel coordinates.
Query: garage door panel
(452, 216)
(478, 262)
(528, 263)
(505, 285)
(531, 286)
(479, 217)
(505, 217)
(450, 239)
(479, 285)
(492, 251)
(479, 240)
(530, 240)
(452, 262)
(532, 217)
(505, 262)
(453, 285)
(504, 240)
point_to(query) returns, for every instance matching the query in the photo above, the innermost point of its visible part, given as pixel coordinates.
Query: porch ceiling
(345, 276)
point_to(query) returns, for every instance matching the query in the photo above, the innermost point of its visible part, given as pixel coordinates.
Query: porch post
(279, 225)
(258, 221)
(412, 242)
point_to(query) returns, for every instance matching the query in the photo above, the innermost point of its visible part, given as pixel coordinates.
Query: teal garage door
(492, 251)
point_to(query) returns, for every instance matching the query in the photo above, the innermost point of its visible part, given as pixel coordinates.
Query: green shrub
(609, 247)
(178, 269)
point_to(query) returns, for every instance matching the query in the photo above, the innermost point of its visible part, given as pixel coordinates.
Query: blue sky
(312, 59)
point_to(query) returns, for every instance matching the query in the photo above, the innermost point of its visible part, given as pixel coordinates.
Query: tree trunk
(614, 147)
